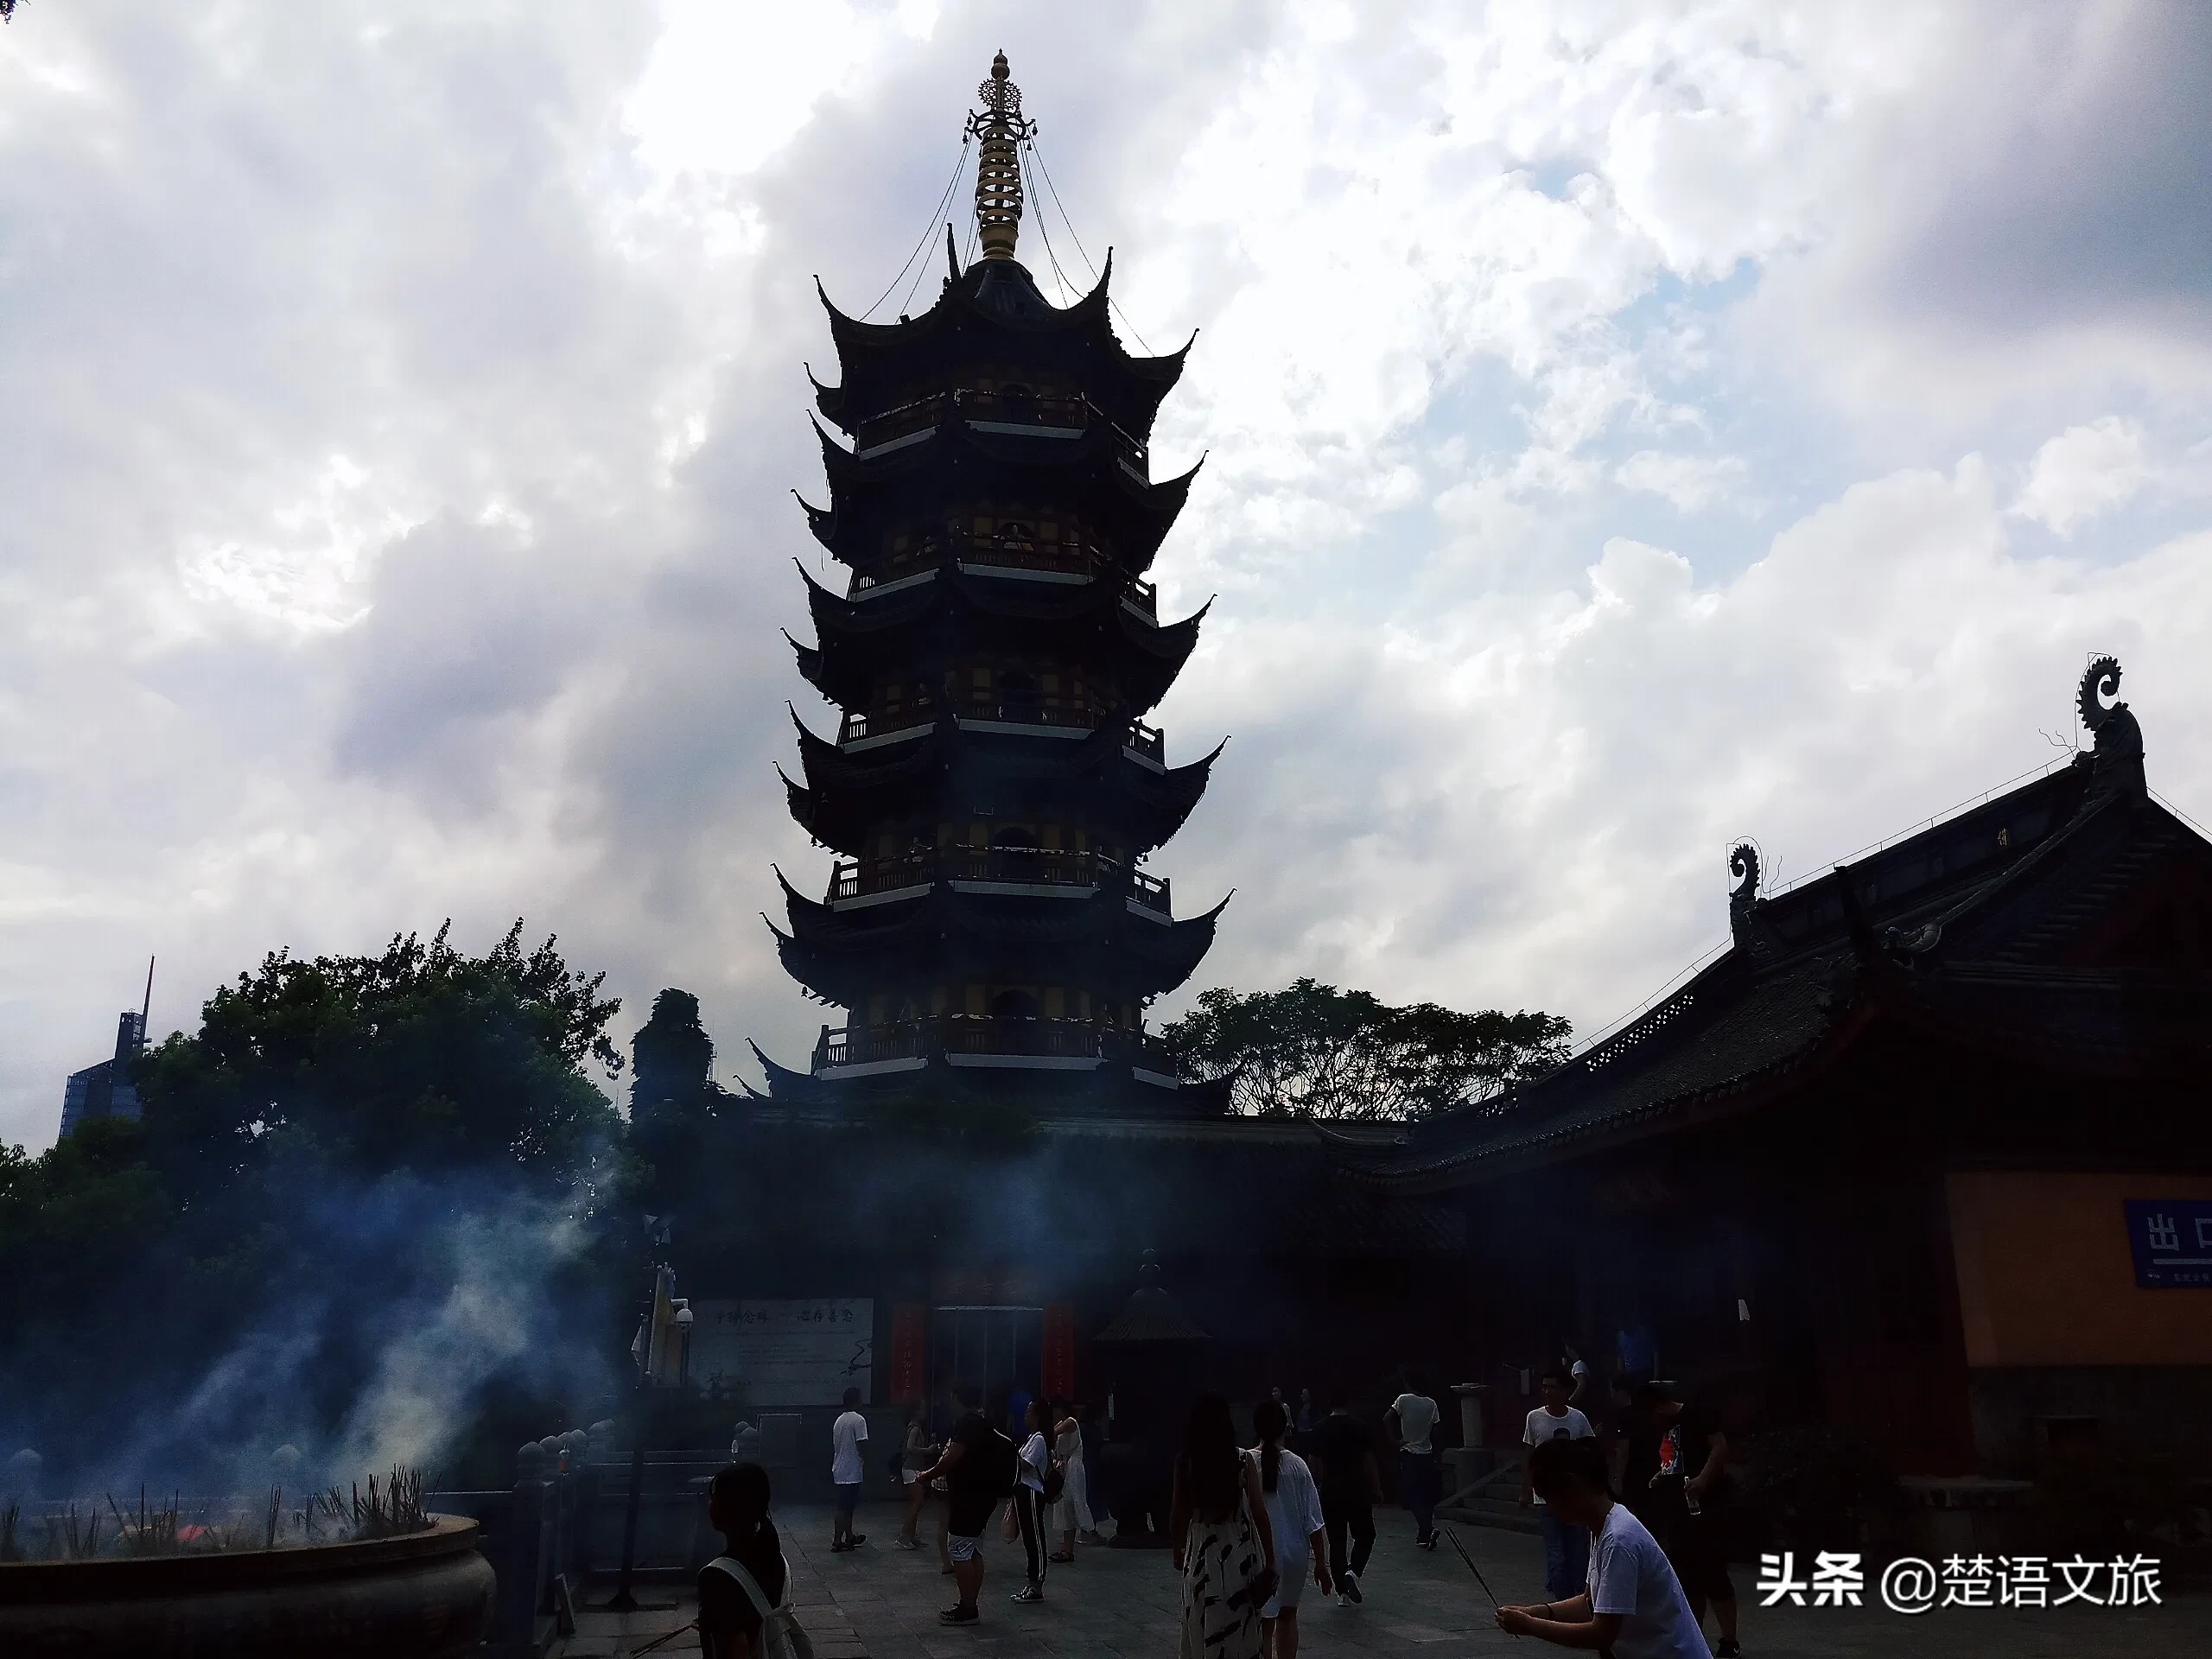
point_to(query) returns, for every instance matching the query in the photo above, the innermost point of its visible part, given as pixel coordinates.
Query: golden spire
(999, 129)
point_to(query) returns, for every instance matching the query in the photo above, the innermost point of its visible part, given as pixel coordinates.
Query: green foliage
(301, 1158)
(1313, 1050)
(420, 1058)
(81, 1212)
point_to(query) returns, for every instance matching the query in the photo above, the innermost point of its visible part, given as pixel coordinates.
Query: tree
(1313, 1050)
(420, 1058)
(327, 1173)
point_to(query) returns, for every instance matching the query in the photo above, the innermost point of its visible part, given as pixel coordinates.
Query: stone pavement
(881, 1603)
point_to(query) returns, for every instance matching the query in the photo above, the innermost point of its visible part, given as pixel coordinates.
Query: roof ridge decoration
(999, 129)
(2117, 755)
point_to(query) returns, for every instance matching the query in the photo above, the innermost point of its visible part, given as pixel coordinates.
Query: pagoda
(993, 790)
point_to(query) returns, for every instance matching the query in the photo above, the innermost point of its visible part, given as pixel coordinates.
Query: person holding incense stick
(1634, 1604)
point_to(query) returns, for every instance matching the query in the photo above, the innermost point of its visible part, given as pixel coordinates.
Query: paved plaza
(881, 1603)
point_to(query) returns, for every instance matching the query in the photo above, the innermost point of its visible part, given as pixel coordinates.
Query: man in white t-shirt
(1418, 1466)
(1566, 1546)
(1633, 1606)
(847, 1436)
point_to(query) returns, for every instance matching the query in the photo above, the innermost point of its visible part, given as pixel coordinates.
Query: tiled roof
(1957, 926)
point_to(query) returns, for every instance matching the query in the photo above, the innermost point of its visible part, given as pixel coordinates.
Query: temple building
(991, 926)
(1924, 1157)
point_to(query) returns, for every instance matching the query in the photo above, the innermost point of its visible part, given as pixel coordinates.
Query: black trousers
(1356, 1516)
(1033, 1532)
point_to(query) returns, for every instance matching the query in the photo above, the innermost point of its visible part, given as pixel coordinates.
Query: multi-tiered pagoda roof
(991, 786)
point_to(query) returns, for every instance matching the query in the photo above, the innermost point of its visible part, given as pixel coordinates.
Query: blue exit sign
(2172, 1242)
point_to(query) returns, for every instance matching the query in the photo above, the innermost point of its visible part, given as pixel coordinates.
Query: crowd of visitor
(1629, 1490)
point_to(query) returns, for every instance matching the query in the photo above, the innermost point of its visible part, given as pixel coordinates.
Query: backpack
(781, 1635)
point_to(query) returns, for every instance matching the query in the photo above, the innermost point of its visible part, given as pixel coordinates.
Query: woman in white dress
(1071, 1514)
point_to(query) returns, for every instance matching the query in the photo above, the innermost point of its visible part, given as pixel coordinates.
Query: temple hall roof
(2062, 924)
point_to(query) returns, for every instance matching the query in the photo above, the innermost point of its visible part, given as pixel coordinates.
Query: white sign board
(779, 1353)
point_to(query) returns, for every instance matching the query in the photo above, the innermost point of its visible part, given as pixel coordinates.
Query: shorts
(848, 1499)
(1288, 1591)
(971, 1514)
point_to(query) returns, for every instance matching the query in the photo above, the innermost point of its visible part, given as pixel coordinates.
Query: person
(1293, 1512)
(1223, 1544)
(1351, 1486)
(1679, 1462)
(1071, 1514)
(1093, 1421)
(1025, 1516)
(847, 1436)
(1310, 1416)
(973, 1495)
(729, 1617)
(915, 1456)
(1566, 1546)
(1636, 1353)
(1419, 1468)
(1632, 1604)
(1577, 1371)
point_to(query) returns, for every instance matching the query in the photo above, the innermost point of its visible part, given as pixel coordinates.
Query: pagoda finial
(999, 129)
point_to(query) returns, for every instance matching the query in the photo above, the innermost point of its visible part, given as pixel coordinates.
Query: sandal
(1061, 1555)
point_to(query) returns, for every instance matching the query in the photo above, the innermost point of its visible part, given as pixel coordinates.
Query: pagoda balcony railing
(1007, 1034)
(864, 724)
(1015, 865)
(984, 705)
(1026, 711)
(1047, 413)
(1004, 552)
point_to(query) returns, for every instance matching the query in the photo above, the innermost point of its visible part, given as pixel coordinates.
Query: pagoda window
(1048, 837)
(976, 1000)
(1019, 696)
(1055, 1002)
(879, 1009)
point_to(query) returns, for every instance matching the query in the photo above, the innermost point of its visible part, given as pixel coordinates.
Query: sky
(1628, 427)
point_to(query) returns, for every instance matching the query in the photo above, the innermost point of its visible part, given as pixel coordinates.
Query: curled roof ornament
(2101, 680)
(1743, 865)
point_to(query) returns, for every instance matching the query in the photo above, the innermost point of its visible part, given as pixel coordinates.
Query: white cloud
(399, 403)
(2083, 471)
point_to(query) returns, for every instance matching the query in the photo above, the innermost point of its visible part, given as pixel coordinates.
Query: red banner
(909, 1323)
(1059, 1356)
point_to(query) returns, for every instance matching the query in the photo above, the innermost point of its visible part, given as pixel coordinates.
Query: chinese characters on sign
(787, 1353)
(1910, 1585)
(2171, 1239)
